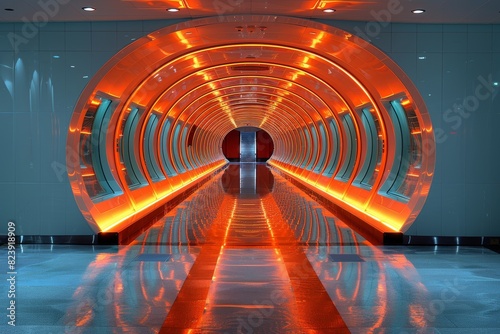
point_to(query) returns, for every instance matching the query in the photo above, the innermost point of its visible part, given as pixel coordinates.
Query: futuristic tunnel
(345, 120)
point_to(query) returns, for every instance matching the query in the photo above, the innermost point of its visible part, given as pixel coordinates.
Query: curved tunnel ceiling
(345, 120)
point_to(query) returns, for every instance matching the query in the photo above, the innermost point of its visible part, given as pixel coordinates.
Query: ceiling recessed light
(173, 10)
(56, 56)
(88, 9)
(418, 11)
(422, 57)
(329, 10)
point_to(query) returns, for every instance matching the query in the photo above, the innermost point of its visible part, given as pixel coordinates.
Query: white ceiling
(437, 11)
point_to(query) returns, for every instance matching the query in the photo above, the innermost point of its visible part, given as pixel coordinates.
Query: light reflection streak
(351, 283)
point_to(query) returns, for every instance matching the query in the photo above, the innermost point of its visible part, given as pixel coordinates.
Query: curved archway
(263, 145)
(345, 120)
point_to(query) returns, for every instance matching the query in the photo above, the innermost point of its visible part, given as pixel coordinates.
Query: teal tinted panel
(405, 172)
(149, 149)
(313, 148)
(374, 146)
(184, 146)
(307, 148)
(176, 139)
(350, 149)
(334, 149)
(164, 145)
(324, 146)
(98, 179)
(129, 150)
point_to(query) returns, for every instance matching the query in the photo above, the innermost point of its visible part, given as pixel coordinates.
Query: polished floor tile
(250, 253)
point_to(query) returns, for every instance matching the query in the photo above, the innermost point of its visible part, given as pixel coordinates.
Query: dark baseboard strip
(90, 239)
(494, 248)
(489, 242)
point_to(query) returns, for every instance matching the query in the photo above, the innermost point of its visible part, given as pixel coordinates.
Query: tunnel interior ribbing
(344, 119)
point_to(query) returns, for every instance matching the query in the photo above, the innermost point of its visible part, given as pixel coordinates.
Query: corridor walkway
(250, 253)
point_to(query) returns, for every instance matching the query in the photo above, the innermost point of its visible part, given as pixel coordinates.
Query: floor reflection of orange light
(387, 220)
(85, 318)
(417, 316)
(112, 223)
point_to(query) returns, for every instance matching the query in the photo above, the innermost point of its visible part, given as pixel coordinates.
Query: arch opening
(342, 118)
(263, 145)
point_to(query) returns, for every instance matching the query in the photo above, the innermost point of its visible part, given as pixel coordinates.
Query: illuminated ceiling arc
(344, 118)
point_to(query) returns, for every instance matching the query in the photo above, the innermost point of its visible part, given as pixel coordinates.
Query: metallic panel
(302, 82)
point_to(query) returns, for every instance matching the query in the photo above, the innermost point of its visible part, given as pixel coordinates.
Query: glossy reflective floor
(250, 253)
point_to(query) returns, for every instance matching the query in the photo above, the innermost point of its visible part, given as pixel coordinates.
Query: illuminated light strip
(190, 55)
(183, 39)
(352, 206)
(158, 200)
(265, 86)
(375, 187)
(274, 79)
(235, 106)
(305, 62)
(227, 110)
(318, 39)
(267, 221)
(279, 97)
(228, 227)
(230, 221)
(321, 4)
(307, 113)
(329, 61)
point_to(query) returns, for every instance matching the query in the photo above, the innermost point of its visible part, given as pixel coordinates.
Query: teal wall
(454, 67)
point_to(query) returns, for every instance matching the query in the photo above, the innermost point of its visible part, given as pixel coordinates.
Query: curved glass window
(323, 141)
(149, 149)
(314, 148)
(297, 151)
(335, 149)
(192, 157)
(129, 151)
(406, 170)
(374, 146)
(175, 145)
(307, 148)
(165, 157)
(184, 147)
(350, 148)
(98, 179)
(191, 153)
